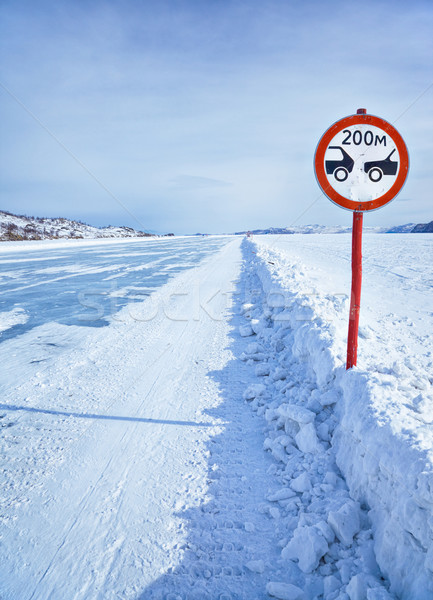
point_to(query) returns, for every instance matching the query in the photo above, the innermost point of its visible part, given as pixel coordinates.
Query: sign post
(355, 296)
(361, 163)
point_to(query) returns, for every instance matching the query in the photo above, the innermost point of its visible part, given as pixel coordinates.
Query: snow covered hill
(423, 228)
(20, 227)
(15, 227)
(308, 229)
(408, 228)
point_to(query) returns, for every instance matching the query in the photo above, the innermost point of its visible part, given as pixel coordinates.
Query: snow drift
(379, 429)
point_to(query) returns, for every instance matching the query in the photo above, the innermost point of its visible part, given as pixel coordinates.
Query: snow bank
(374, 425)
(390, 472)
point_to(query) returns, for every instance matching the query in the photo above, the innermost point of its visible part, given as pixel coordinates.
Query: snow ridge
(362, 488)
(327, 547)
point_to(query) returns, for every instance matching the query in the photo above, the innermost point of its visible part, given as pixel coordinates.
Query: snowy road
(135, 448)
(133, 462)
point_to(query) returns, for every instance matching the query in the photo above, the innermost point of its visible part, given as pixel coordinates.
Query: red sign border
(319, 163)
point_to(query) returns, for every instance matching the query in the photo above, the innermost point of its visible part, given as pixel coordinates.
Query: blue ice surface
(85, 285)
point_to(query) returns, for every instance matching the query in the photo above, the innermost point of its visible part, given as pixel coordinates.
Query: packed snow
(207, 442)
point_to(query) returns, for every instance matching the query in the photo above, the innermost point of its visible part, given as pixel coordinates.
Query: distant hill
(423, 228)
(20, 227)
(401, 228)
(308, 229)
(407, 228)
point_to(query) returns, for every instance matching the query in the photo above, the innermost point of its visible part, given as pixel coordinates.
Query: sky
(203, 116)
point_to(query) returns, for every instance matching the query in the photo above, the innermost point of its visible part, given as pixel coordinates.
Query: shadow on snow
(229, 530)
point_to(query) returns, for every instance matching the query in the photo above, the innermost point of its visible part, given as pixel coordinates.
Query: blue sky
(204, 116)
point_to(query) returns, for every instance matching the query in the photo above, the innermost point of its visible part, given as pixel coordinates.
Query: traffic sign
(361, 162)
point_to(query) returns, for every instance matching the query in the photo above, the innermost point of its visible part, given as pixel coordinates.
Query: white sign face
(362, 162)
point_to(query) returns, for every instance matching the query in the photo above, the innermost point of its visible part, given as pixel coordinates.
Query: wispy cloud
(194, 182)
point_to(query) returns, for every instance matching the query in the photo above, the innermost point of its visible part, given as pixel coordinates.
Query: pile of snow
(353, 449)
(13, 227)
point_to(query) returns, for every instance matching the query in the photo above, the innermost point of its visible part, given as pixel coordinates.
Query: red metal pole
(355, 297)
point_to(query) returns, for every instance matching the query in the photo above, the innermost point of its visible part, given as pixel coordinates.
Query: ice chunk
(357, 588)
(308, 545)
(253, 348)
(331, 477)
(246, 330)
(323, 432)
(345, 566)
(247, 307)
(257, 325)
(326, 531)
(279, 374)
(345, 522)
(306, 439)
(330, 584)
(282, 494)
(328, 398)
(256, 566)
(284, 591)
(262, 370)
(254, 390)
(297, 413)
(271, 415)
(301, 483)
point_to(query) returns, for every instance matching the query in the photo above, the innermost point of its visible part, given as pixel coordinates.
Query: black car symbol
(376, 169)
(339, 168)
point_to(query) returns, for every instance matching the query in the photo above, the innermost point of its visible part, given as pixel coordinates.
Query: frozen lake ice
(85, 283)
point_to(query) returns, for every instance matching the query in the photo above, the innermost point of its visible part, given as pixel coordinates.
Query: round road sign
(361, 162)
